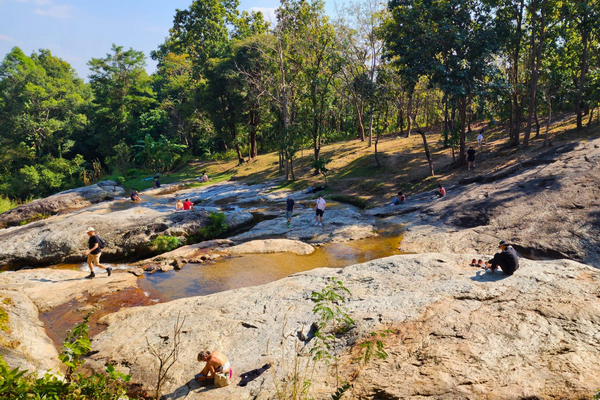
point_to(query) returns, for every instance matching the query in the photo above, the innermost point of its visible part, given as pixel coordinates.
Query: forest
(230, 84)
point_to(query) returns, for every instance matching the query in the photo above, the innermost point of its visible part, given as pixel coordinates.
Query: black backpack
(101, 243)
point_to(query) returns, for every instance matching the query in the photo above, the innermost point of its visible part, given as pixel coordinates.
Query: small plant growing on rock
(216, 225)
(164, 243)
(167, 354)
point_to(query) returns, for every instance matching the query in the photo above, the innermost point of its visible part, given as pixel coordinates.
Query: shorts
(320, 213)
(288, 214)
(94, 258)
(471, 159)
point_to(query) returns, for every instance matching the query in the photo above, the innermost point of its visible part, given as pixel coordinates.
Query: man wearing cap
(93, 254)
(507, 260)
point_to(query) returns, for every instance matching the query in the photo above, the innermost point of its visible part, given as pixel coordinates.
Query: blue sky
(77, 30)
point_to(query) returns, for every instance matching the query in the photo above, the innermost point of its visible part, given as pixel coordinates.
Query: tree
(122, 93)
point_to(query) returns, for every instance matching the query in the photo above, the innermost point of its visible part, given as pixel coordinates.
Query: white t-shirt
(480, 137)
(321, 203)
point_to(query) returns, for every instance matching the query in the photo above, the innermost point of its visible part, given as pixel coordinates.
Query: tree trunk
(584, 57)
(548, 123)
(536, 58)
(589, 123)
(515, 104)
(463, 111)
(409, 114)
(446, 124)
(376, 155)
(427, 153)
(537, 124)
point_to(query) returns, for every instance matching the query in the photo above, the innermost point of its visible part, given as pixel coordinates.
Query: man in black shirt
(93, 254)
(471, 157)
(289, 210)
(507, 260)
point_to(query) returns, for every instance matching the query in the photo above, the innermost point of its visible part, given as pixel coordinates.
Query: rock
(151, 269)
(50, 288)
(450, 331)
(193, 250)
(62, 238)
(25, 344)
(136, 271)
(68, 200)
(339, 225)
(166, 268)
(272, 246)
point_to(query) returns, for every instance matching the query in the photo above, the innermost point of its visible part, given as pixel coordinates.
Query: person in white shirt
(480, 138)
(320, 209)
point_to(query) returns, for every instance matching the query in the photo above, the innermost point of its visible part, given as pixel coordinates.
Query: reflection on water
(256, 269)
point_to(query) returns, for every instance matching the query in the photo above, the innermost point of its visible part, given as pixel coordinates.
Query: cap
(90, 229)
(503, 243)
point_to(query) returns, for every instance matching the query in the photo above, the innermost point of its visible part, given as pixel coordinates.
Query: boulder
(68, 200)
(136, 271)
(127, 233)
(272, 246)
(450, 330)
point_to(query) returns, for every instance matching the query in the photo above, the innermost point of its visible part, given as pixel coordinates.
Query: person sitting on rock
(440, 192)
(179, 205)
(188, 205)
(135, 196)
(215, 362)
(204, 178)
(399, 199)
(156, 183)
(507, 260)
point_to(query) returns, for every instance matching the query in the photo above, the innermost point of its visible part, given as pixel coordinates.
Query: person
(135, 196)
(289, 210)
(188, 205)
(320, 209)
(507, 260)
(215, 362)
(471, 157)
(440, 192)
(179, 205)
(480, 138)
(204, 178)
(399, 199)
(156, 183)
(93, 254)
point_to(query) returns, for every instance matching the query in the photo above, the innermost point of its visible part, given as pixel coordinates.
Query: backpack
(101, 243)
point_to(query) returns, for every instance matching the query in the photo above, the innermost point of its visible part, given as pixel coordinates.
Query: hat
(90, 229)
(503, 243)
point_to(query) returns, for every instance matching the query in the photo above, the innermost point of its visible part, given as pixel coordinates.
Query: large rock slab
(126, 231)
(25, 343)
(68, 200)
(272, 246)
(547, 210)
(450, 332)
(339, 225)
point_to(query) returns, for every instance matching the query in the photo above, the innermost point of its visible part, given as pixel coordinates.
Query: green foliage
(36, 217)
(164, 243)
(121, 161)
(320, 167)
(20, 384)
(340, 391)
(3, 320)
(7, 204)
(161, 155)
(216, 225)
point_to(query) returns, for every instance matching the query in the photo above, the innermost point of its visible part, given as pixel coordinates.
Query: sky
(77, 30)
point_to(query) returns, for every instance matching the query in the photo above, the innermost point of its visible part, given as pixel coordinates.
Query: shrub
(164, 243)
(6, 204)
(133, 172)
(120, 180)
(216, 226)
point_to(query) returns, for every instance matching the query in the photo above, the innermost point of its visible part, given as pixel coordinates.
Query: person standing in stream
(93, 254)
(320, 209)
(289, 210)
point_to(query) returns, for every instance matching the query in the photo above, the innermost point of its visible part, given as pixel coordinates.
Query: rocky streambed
(451, 331)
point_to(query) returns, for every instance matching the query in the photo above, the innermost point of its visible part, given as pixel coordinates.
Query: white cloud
(42, 2)
(5, 38)
(56, 11)
(268, 13)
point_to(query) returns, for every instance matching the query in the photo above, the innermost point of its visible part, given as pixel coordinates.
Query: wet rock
(151, 269)
(272, 246)
(68, 200)
(166, 268)
(136, 271)
(442, 322)
(127, 232)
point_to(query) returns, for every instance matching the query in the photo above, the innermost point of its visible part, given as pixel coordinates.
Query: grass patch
(37, 217)
(164, 243)
(7, 204)
(290, 185)
(357, 201)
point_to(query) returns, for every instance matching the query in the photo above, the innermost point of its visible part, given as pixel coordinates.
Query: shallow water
(256, 269)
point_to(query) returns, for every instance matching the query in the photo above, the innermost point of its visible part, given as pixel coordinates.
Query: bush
(20, 384)
(216, 226)
(164, 243)
(6, 204)
(120, 180)
(133, 172)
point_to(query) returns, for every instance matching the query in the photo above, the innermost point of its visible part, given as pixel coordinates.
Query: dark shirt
(156, 183)
(508, 260)
(471, 154)
(92, 241)
(290, 205)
